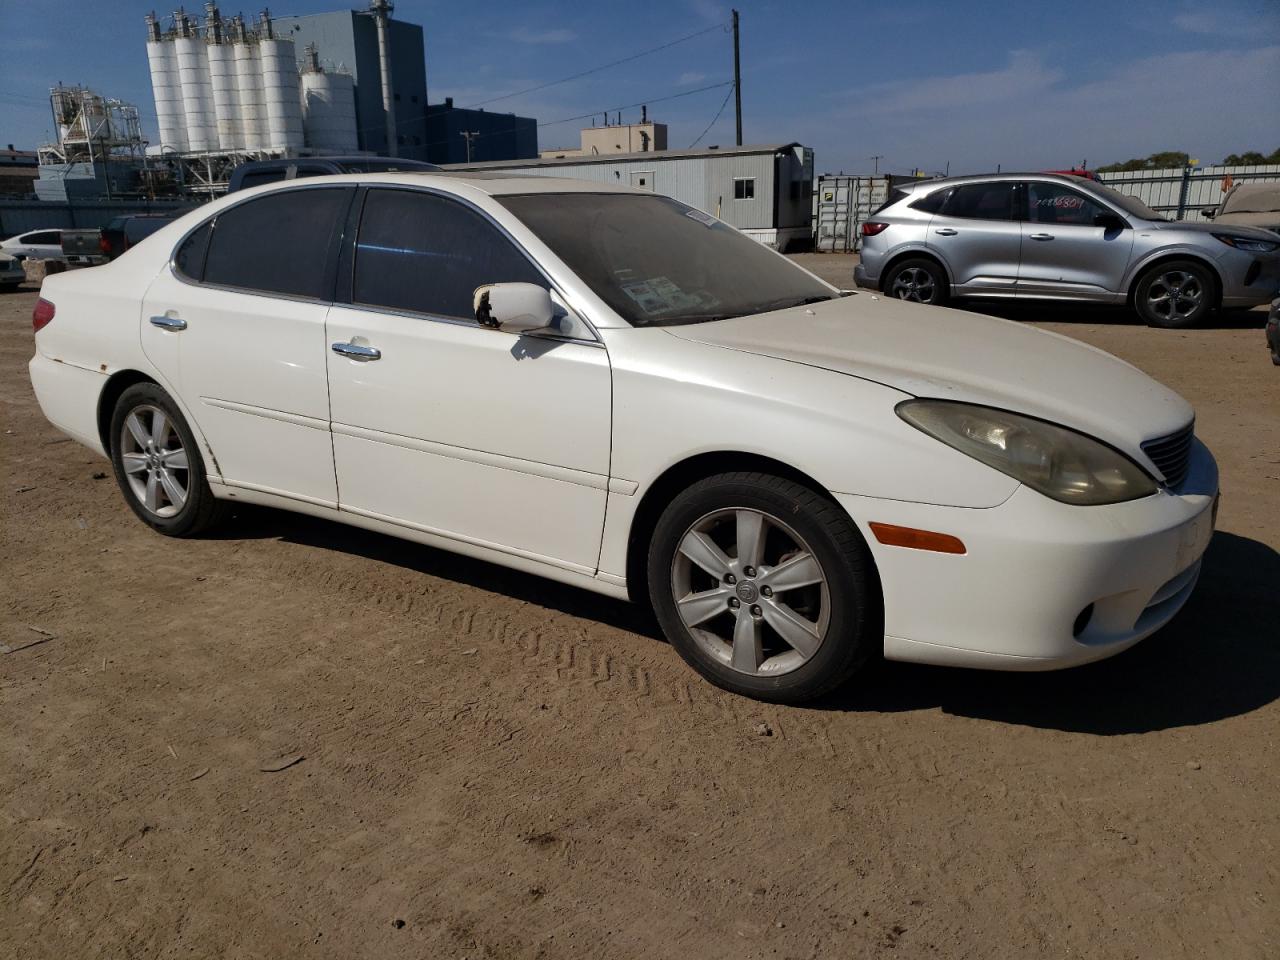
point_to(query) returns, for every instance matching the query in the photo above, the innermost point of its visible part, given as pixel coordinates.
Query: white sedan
(617, 391)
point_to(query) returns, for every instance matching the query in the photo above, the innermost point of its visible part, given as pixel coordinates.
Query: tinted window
(44, 236)
(190, 256)
(982, 201)
(278, 243)
(260, 177)
(932, 203)
(895, 196)
(428, 254)
(744, 189)
(1055, 203)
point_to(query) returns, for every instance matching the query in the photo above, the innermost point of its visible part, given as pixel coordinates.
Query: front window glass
(1130, 205)
(657, 262)
(1055, 203)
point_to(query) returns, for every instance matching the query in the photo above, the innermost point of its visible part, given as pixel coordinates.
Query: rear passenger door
(1066, 253)
(977, 236)
(236, 327)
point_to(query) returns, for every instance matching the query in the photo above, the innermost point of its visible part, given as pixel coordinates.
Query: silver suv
(1051, 237)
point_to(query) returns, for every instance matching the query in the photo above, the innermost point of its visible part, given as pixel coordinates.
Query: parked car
(34, 245)
(255, 173)
(1273, 331)
(11, 272)
(1049, 237)
(107, 243)
(608, 388)
(1248, 205)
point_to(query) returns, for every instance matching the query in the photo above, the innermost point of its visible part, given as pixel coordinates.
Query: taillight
(871, 227)
(41, 315)
(103, 245)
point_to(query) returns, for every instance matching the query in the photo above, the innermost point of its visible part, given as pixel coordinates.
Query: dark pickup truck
(121, 233)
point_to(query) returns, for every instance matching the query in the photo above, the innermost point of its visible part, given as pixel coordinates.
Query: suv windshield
(1130, 205)
(657, 262)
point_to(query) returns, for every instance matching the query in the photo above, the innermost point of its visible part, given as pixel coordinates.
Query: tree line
(1177, 158)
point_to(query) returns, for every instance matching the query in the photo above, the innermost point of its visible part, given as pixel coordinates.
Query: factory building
(765, 191)
(461, 135)
(619, 137)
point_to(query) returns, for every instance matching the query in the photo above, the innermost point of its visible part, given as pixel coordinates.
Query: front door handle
(355, 351)
(946, 232)
(1041, 236)
(169, 323)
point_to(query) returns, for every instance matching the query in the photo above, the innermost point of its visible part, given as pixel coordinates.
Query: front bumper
(1017, 599)
(1249, 279)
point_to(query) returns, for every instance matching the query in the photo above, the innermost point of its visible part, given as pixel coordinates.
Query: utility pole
(877, 158)
(469, 135)
(737, 79)
(381, 10)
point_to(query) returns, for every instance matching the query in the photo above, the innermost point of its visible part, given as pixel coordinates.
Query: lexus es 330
(617, 391)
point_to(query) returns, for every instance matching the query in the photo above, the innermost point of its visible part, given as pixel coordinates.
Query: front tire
(764, 587)
(158, 464)
(1175, 295)
(918, 280)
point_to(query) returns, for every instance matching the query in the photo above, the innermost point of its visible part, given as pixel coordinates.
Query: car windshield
(1253, 198)
(658, 262)
(1130, 205)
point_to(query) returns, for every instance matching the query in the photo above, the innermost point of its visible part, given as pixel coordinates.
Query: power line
(606, 66)
(732, 88)
(639, 103)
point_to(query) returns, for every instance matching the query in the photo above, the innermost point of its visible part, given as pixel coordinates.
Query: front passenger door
(482, 436)
(1065, 252)
(978, 238)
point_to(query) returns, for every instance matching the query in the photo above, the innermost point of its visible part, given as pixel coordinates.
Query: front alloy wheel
(1177, 294)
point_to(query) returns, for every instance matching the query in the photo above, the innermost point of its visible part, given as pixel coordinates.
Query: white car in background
(611, 389)
(34, 245)
(11, 272)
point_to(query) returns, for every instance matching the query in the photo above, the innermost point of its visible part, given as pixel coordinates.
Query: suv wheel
(1176, 294)
(919, 281)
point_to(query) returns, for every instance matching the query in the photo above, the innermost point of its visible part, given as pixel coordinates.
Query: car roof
(493, 184)
(1064, 178)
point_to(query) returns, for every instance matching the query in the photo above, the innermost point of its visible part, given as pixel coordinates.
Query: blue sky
(923, 84)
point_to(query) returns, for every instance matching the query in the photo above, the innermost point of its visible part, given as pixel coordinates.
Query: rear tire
(764, 587)
(918, 280)
(158, 465)
(1175, 295)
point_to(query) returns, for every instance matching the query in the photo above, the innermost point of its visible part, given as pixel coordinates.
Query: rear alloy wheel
(919, 281)
(1175, 295)
(158, 466)
(762, 586)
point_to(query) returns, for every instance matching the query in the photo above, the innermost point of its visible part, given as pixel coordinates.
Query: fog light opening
(1082, 621)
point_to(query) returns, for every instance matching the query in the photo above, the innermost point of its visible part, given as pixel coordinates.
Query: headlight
(1062, 464)
(1248, 243)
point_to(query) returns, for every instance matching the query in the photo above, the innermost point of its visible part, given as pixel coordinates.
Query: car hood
(957, 355)
(1269, 220)
(1214, 226)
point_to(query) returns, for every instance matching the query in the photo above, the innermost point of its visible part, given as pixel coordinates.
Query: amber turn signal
(895, 536)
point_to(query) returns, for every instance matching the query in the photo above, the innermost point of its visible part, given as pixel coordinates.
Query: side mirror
(1109, 221)
(1209, 212)
(514, 307)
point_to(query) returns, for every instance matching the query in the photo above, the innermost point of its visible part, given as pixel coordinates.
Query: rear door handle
(355, 351)
(1042, 236)
(169, 323)
(946, 232)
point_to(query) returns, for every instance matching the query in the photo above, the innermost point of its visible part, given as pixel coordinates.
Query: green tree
(1157, 161)
(1249, 156)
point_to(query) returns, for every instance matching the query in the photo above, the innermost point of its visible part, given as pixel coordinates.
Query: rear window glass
(895, 196)
(982, 201)
(932, 203)
(278, 243)
(189, 259)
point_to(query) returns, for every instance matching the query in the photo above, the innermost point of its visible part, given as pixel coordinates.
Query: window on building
(278, 243)
(427, 254)
(397, 96)
(744, 188)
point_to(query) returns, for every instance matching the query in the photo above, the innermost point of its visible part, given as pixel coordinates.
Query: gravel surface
(297, 738)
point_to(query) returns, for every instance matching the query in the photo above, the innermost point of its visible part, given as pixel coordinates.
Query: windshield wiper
(789, 302)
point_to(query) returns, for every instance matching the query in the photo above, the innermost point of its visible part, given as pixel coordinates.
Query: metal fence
(1182, 193)
(840, 204)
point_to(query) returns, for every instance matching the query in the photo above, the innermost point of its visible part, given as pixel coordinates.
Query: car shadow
(1049, 311)
(1218, 658)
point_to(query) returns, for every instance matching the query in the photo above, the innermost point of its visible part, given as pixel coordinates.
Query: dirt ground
(496, 766)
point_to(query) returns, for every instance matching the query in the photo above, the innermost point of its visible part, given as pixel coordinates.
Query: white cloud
(529, 35)
(689, 77)
(1025, 74)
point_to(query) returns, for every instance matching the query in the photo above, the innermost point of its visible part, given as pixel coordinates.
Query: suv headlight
(1062, 464)
(1248, 243)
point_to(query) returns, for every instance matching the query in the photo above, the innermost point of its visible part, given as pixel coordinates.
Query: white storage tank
(329, 111)
(248, 71)
(167, 90)
(280, 95)
(226, 106)
(197, 93)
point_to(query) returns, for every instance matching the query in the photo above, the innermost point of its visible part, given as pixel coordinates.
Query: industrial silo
(328, 107)
(280, 91)
(248, 71)
(167, 89)
(222, 80)
(197, 92)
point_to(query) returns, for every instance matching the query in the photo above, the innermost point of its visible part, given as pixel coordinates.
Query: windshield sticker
(660, 295)
(703, 218)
